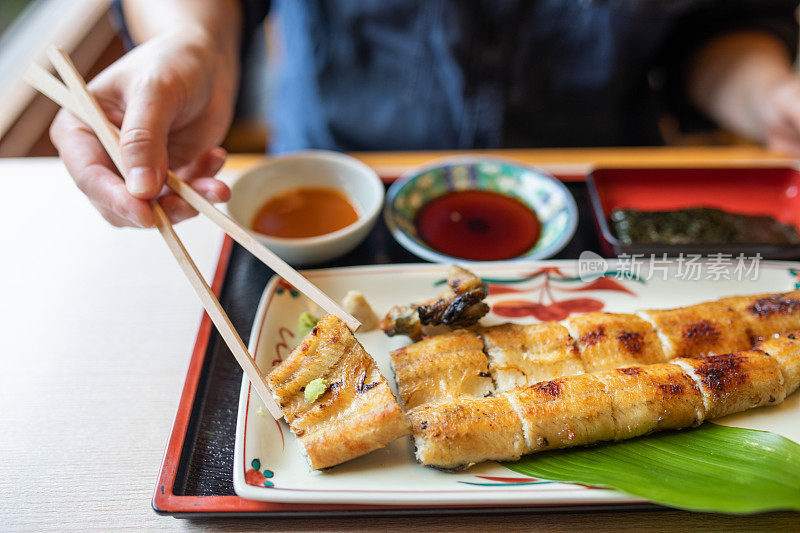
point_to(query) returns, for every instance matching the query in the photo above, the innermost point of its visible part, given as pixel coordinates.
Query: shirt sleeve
(707, 21)
(118, 20)
(253, 13)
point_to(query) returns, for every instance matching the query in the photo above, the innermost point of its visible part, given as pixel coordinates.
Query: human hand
(778, 107)
(172, 98)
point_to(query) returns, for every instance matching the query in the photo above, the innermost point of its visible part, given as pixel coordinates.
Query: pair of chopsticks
(74, 96)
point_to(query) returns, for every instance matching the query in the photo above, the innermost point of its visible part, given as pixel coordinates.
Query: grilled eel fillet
(520, 355)
(608, 405)
(356, 414)
(454, 365)
(442, 367)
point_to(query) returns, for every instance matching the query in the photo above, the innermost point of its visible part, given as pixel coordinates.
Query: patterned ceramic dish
(545, 195)
(269, 466)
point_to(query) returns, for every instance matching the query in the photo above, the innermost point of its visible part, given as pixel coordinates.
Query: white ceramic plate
(269, 467)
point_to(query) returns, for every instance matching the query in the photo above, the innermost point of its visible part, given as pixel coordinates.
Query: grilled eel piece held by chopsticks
(608, 405)
(334, 397)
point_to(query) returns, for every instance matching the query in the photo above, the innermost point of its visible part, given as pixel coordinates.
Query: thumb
(143, 143)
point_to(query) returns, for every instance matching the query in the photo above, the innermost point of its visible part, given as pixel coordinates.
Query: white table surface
(97, 328)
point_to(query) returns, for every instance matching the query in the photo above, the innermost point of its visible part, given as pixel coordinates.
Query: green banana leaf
(710, 468)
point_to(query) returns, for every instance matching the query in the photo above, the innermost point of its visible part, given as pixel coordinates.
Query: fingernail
(141, 181)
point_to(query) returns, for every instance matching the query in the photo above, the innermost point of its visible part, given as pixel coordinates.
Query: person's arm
(173, 98)
(745, 81)
(218, 19)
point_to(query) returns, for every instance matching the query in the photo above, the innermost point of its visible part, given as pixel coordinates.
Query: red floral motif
(254, 477)
(602, 284)
(553, 271)
(547, 307)
(283, 344)
(508, 479)
(498, 288)
(285, 286)
(557, 310)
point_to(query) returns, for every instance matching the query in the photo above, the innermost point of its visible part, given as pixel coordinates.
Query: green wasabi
(305, 323)
(315, 389)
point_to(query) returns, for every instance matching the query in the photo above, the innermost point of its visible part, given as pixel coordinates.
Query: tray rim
(165, 502)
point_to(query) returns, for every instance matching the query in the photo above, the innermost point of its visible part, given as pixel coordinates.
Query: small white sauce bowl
(315, 168)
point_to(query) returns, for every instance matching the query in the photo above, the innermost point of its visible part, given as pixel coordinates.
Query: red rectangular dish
(752, 191)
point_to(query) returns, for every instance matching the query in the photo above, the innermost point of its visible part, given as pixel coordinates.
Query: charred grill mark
(593, 337)
(630, 371)
(335, 385)
(632, 341)
(791, 336)
(484, 374)
(362, 387)
(721, 372)
(773, 305)
(671, 388)
(427, 313)
(456, 311)
(462, 311)
(703, 331)
(551, 388)
(365, 388)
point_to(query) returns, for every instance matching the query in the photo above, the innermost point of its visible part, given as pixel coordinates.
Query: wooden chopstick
(52, 88)
(90, 112)
(267, 256)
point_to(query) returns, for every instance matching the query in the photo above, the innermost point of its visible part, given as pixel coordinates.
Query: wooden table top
(573, 161)
(98, 325)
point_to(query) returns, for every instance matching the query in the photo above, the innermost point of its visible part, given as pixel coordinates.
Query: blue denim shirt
(447, 74)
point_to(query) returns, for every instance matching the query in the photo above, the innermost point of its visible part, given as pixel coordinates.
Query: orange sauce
(305, 212)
